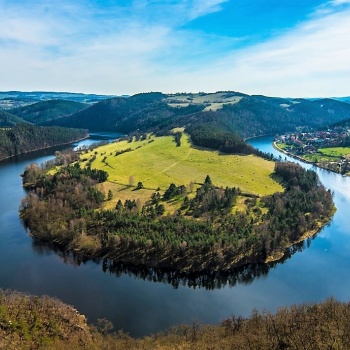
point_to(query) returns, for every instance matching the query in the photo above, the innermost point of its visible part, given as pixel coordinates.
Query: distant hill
(234, 112)
(9, 120)
(47, 95)
(139, 112)
(41, 112)
(342, 99)
(23, 138)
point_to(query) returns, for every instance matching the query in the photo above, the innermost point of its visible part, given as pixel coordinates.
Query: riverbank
(279, 149)
(26, 138)
(46, 147)
(277, 256)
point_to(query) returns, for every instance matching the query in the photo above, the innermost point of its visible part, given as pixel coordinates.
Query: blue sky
(271, 47)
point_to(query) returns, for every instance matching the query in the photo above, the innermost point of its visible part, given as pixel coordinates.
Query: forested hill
(24, 138)
(44, 111)
(9, 120)
(231, 111)
(139, 112)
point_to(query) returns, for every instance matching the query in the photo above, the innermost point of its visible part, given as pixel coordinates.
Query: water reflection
(209, 280)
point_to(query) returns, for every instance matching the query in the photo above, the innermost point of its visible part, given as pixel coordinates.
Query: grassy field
(157, 162)
(335, 151)
(215, 101)
(331, 154)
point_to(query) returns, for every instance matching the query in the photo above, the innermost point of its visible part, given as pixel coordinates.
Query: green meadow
(335, 151)
(157, 162)
(329, 154)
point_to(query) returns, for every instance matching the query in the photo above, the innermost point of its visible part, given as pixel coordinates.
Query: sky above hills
(298, 48)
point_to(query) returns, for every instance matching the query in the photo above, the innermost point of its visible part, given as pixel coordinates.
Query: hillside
(23, 138)
(231, 111)
(9, 120)
(19, 98)
(139, 112)
(31, 322)
(44, 111)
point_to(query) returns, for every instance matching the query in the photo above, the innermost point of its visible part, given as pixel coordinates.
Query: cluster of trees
(301, 208)
(43, 111)
(62, 209)
(212, 135)
(177, 138)
(57, 203)
(31, 322)
(24, 138)
(210, 199)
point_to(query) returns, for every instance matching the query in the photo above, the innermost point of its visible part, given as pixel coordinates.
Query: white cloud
(200, 8)
(86, 51)
(310, 60)
(340, 2)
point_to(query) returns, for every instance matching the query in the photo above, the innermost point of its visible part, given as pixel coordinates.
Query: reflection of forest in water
(209, 280)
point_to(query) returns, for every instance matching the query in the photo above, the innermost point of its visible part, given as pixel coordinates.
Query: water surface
(140, 306)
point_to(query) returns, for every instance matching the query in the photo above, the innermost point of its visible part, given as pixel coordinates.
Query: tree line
(24, 138)
(62, 208)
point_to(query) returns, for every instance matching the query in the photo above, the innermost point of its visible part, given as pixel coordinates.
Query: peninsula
(160, 202)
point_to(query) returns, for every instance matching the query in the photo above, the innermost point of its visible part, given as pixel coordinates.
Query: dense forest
(43, 111)
(24, 138)
(146, 111)
(206, 233)
(9, 120)
(248, 116)
(30, 322)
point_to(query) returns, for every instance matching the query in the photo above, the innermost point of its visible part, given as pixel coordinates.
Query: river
(140, 306)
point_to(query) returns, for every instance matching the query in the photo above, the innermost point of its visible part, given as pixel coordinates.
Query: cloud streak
(142, 46)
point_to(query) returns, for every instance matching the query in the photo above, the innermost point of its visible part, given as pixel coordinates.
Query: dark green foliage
(214, 137)
(24, 138)
(251, 116)
(9, 120)
(139, 112)
(44, 111)
(210, 136)
(177, 137)
(219, 240)
(299, 209)
(210, 199)
(173, 191)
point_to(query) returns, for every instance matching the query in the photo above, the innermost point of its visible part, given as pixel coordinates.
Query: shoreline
(47, 147)
(274, 145)
(279, 255)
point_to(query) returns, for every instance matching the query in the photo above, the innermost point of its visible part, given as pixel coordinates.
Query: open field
(335, 151)
(214, 101)
(331, 154)
(157, 162)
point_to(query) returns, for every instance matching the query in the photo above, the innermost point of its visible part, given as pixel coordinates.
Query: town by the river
(139, 303)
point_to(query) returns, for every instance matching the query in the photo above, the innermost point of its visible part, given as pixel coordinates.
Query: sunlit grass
(157, 162)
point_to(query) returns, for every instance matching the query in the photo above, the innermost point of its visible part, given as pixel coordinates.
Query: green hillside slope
(24, 138)
(41, 112)
(9, 120)
(234, 112)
